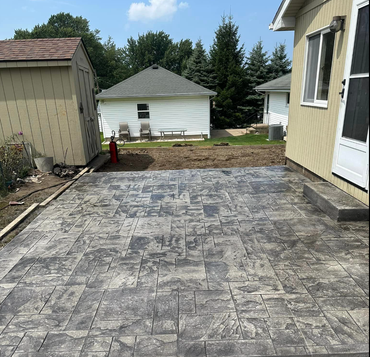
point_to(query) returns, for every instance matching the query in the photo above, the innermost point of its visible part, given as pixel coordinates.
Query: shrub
(13, 164)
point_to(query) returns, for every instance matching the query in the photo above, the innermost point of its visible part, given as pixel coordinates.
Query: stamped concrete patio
(215, 263)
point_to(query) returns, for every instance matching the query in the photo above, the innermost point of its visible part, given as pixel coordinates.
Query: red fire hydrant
(113, 149)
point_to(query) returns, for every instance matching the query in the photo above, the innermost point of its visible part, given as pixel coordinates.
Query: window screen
(327, 50)
(144, 115)
(142, 107)
(143, 111)
(360, 62)
(318, 67)
(311, 71)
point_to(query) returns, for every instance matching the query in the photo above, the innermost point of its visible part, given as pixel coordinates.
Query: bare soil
(151, 159)
(10, 213)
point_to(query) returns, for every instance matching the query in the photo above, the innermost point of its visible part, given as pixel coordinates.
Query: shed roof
(278, 84)
(41, 49)
(155, 81)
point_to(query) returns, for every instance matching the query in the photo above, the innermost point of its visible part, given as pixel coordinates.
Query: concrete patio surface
(195, 263)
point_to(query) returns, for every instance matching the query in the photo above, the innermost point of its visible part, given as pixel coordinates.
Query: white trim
(274, 90)
(318, 67)
(285, 23)
(340, 140)
(320, 30)
(316, 103)
(359, 75)
(275, 26)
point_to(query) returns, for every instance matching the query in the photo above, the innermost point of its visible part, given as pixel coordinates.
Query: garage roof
(42, 49)
(278, 84)
(155, 81)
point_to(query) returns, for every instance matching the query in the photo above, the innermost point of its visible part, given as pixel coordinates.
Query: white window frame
(143, 111)
(316, 103)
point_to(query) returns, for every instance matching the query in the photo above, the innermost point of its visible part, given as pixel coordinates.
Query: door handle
(344, 89)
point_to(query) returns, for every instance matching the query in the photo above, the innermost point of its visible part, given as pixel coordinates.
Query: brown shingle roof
(43, 49)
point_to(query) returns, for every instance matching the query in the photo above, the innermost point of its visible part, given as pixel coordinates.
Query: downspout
(210, 114)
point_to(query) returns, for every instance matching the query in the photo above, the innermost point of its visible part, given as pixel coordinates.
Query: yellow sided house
(328, 135)
(47, 93)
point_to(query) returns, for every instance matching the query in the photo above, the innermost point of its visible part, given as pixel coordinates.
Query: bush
(12, 164)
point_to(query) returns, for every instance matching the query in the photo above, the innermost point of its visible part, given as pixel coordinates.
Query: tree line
(226, 68)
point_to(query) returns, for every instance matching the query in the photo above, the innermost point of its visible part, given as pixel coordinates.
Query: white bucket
(44, 164)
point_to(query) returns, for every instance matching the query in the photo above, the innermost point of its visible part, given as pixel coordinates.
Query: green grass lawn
(249, 139)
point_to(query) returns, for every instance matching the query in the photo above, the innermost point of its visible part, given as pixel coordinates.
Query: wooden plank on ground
(63, 188)
(17, 221)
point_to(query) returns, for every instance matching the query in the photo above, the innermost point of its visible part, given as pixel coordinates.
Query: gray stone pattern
(192, 263)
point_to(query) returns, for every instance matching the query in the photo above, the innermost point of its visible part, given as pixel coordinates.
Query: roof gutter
(209, 94)
(262, 93)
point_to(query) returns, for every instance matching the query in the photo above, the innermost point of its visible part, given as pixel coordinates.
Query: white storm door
(351, 155)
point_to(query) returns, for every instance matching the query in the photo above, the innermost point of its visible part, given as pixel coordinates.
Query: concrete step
(337, 204)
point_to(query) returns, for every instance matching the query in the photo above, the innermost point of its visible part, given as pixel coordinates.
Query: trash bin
(276, 132)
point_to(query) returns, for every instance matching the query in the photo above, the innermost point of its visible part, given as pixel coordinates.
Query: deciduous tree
(157, 48)
(106, 57)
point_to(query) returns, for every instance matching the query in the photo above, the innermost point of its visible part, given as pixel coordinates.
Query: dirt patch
(197, 158)
(8, 214)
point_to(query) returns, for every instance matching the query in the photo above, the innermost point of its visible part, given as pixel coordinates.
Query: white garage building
(277, 99)
(164, 99)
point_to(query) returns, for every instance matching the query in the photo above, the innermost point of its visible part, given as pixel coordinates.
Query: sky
(121, 19)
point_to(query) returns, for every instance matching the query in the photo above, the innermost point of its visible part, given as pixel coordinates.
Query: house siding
(279, 110)
(312, 131)
(191, 113)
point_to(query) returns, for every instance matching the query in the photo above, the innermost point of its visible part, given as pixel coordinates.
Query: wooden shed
(47, 93)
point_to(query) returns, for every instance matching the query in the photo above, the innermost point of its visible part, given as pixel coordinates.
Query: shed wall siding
(191, 113)
(38, 102)
(312, 131)
(279, 110)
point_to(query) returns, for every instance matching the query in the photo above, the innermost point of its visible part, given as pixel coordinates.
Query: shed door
(87, 107)
(351, 157)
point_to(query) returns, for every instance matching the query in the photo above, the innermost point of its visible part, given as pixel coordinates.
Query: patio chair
(145, 130)
(123, 131)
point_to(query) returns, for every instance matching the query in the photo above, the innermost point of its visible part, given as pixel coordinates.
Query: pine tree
(228, 64)
(199, 69)
(280, 64)
(257, 74)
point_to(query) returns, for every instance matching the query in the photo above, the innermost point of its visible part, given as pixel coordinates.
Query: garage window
(319, 58)
(143, 111)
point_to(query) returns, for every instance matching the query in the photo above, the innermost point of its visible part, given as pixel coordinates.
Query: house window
(287, 99)
(319, 58)
(143, 111)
